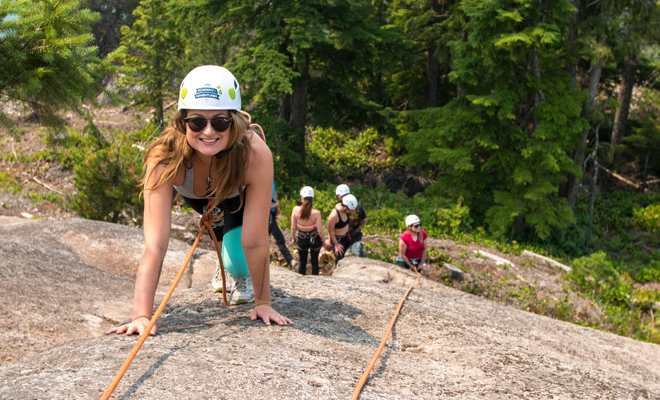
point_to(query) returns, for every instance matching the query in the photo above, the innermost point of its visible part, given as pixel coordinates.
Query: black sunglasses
(219, 124)
(417, 226)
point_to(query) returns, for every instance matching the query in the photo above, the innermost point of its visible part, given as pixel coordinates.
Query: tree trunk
(464, 38)
(299, 108)
(159, 109)
(645, 173)
(519, 226)
(159, 94)
(537, 73)
(592, 186)
(284, 111)
(537, 93)
(572, 37)
(625, 95)
(432, 66)
(587, 111)
(566, 186)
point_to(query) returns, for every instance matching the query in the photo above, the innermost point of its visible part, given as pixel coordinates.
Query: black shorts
(232, 219)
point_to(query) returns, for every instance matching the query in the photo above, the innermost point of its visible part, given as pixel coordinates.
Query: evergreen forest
(530, 124)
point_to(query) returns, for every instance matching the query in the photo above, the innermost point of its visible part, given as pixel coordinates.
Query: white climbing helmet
(307, 191)
(349, 201)
(209, 87)
(411, 219)
(342, 190)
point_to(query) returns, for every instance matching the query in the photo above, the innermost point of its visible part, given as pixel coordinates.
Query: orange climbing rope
(204, 224)
(365, 376)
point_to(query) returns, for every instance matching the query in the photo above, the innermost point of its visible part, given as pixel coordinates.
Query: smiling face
(208, 142)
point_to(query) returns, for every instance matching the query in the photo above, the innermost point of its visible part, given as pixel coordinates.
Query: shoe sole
(242, 301)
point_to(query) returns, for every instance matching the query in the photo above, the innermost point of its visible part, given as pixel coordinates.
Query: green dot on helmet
(184, 91)
(232, 93)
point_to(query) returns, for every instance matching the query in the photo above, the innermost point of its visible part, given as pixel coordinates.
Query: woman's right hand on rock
(138, 325)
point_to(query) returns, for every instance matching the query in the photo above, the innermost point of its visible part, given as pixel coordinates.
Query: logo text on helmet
(207, 93)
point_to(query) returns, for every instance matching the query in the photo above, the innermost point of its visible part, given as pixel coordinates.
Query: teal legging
(233, 256)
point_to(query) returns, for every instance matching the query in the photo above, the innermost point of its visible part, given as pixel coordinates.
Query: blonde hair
(172, 150)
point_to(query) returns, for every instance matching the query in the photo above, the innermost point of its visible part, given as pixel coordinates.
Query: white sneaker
(216, 282)
(242, 287)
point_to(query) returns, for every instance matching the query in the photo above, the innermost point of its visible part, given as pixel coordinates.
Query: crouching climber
(412, 245)
(338, 229)
(356, 220)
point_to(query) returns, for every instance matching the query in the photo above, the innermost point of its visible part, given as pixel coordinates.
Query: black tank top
(341, 223)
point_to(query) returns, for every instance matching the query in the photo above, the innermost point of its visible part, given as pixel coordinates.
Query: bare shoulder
(158, 171)
(260, 150)
(316, 212)
(260, 161)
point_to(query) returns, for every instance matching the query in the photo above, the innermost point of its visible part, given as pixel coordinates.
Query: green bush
(343, 154)
(107, 174)
(596, 276)
(8, 182)
(385, 218)
(626, 307)
(650, 273)
(648, 218)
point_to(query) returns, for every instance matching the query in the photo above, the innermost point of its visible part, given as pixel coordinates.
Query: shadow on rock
(319, 317)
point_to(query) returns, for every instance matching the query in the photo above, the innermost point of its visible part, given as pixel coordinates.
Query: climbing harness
(365, 376)
(204, 224)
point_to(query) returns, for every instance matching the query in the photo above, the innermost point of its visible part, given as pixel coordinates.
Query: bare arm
(423, 260)
(319, 226)
(402, 253)
(332, 220)
(259, 180)
(157, 223)
(294, 225)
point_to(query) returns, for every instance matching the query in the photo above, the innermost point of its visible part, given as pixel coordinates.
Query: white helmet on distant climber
(307, 191)
(342, 190)
(349, 201)
(210, 87)
(411, 219)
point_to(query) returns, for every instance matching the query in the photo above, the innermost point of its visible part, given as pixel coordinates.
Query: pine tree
(152, 50)
(637, 21)
(48, 62)
(423, 78)
(114, 14)
(502, 143)
(301, 55)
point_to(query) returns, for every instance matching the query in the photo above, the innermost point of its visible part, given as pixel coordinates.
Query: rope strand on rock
(365, 376)
(204, 224)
